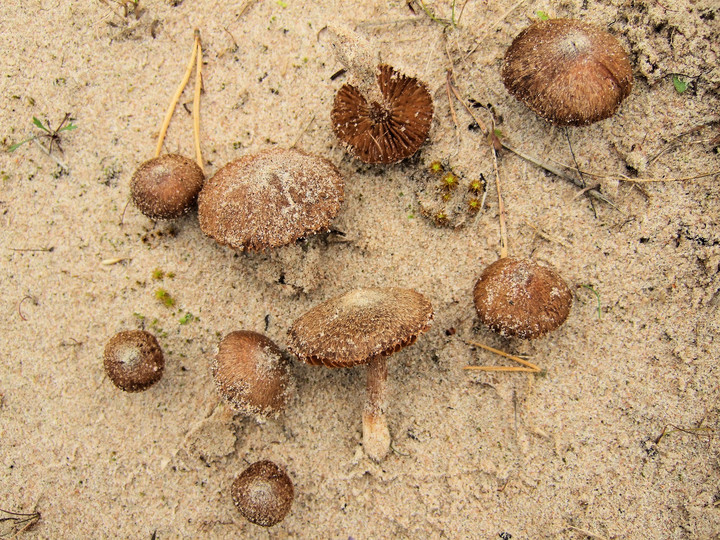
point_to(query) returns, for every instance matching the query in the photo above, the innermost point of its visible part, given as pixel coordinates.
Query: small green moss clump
(436, 167)
(164, 297)
(449, 181)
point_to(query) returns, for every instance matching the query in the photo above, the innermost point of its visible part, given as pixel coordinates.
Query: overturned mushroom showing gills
(166, 187)
(251, 374)
(263, 493)
(133, 360)
(567, 71)
(390, 129)
(363, 326)
(520, 298)
(270, 199)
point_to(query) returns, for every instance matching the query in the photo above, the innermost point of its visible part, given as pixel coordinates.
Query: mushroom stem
(196, 102)
(376, 435)
(176, 98)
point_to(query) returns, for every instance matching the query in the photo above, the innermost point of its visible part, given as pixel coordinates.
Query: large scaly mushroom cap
(270, 199)
(567, 71)
(360, 325)
(387, 131)
(520, 298)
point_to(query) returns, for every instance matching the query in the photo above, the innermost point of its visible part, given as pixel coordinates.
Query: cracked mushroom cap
(133, 360)
(263, 493)
(520, 298)
(251, 374)
(567, 71)
(387, 131)
(270, 199)
(360, 325)
(166, 187)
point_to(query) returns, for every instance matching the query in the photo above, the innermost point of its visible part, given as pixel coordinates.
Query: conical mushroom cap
(520, 298)
(251, 374)
(385, 132)
(569, 72)
(360, 325)
(270, 199)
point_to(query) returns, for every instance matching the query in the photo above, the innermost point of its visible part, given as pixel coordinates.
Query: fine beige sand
(615, 439)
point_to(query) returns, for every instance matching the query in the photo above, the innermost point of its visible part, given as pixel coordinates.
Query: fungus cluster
(363, 326)
(567, 71)
(270, 199)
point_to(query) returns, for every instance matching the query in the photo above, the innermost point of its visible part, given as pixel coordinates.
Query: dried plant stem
(559, 173)
(586, 533)
(529, 366)
(302, 132)
(492, 140)
(196, 102)
(501, 208)
(176, 98)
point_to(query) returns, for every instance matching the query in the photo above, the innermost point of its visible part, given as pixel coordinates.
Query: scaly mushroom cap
(166, 187)
(519, 298)
(270, 199)
(133, 360)
(360, 325)
(385, 132)
(263, 493)
(251, 374)
(569, 72)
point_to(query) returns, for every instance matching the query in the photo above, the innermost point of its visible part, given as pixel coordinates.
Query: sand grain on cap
(270, 199)
(567, 71)
(520, 298)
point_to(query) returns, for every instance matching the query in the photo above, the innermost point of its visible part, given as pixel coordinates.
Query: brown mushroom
(386, 130)
(363, 326)
(133, 360)
(520, 298)
(251, 374)
(166, 187)
(270, 199)
(567, 71)
(263, 493)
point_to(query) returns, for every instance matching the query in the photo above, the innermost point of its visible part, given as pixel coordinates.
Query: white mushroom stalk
(376, 434)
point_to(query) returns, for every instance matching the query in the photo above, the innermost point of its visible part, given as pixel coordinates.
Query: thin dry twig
(20, 303)
(546, 236)
(14, 523)
(302, 132)
(493, 142)
(529, 366)
(559, 173)
(481, 38)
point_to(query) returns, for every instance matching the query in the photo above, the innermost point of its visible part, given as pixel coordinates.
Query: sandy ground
(574, 452)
